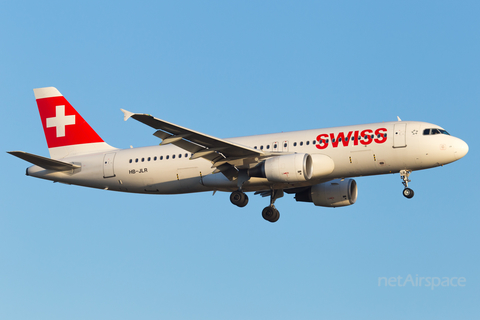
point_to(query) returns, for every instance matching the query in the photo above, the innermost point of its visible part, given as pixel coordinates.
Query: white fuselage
(168, 170)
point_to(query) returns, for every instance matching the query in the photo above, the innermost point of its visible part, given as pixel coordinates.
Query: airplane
(317, 165)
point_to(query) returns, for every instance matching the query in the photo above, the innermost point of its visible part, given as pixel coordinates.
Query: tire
(245, 201)
(408, 193)
(239, 198)
(276, 216)
(270, 214)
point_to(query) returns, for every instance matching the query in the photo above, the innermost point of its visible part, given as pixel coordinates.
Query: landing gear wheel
(270, 214)
(239, 198)
(408, 193)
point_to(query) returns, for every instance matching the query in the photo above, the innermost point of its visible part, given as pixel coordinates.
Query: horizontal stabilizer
(46, 163)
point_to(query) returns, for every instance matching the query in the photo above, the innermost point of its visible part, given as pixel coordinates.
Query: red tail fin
(64, 126)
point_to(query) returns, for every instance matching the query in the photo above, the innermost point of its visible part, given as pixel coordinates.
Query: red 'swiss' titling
(364, 137)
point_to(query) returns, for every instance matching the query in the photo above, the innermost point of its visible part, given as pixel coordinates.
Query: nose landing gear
(407, 192)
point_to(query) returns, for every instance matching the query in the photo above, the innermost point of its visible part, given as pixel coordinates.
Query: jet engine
(335, 193)
(296, 167)
(323, 165)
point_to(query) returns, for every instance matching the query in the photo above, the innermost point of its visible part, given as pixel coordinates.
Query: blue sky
(230, 69)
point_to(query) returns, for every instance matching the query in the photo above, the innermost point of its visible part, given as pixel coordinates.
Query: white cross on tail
(60, 121)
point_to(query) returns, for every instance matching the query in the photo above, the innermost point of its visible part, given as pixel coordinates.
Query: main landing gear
(407, 192)
(239, 198)
(270, 213)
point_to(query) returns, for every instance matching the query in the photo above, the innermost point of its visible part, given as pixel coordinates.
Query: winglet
(126, 114)
(399, 118)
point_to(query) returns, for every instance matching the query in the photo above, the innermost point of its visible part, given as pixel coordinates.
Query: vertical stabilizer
(67, 133)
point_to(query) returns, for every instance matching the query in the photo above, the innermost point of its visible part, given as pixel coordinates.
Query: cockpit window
(433, 131)
(444, 132)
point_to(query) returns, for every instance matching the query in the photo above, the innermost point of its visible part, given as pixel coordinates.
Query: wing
(222, 153)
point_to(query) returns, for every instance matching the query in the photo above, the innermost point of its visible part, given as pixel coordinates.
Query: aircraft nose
(461, 149)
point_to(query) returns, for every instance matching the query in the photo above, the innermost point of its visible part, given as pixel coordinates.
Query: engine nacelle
(335, 193)
(323, 165)
(296, 167)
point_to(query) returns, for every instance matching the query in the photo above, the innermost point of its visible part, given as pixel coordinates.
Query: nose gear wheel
(407, 192)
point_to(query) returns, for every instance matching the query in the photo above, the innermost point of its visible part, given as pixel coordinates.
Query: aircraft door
(108, 161)
(399, 135)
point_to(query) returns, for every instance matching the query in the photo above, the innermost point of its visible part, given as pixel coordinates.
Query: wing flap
(46, 163)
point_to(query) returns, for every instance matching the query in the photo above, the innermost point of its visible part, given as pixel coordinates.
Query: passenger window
(308, 142)
(268, 146)
(143, 159)
(161, 157)
(180, 155)
(294, 144)
(255, 147)
(301, 143)
(136, 160)
(173, 156)
(186, 155)
(167, 157)
(130, 161)
(148, 159)
(261, 147)
(314, 141)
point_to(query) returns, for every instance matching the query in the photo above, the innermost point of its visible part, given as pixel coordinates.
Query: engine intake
(335, 193)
